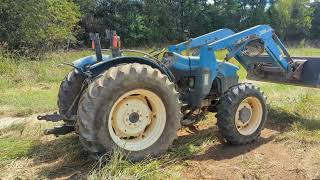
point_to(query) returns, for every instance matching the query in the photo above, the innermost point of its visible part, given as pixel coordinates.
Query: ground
(198, 153)
(264, 159)
(289, 147)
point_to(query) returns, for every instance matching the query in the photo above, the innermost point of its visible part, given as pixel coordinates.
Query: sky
(210, 1)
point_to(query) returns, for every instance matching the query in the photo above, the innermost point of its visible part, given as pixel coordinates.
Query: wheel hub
(245, 114)
(131, 118)
(134, 117)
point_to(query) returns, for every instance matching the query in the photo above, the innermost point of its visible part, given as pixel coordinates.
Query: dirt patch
(264, 159)
(8, 121)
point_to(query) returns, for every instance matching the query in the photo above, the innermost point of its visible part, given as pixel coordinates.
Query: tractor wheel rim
(251, 124)
(137, 120)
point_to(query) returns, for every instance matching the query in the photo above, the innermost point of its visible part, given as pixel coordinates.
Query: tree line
(32, 25)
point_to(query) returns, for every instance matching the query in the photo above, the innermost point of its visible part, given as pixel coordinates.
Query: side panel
(227, 75)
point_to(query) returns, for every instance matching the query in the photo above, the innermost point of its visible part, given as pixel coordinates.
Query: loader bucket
(307, 73)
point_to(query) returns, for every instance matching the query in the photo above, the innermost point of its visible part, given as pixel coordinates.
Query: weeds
(116, 166)
(28, 86)
(12, 148)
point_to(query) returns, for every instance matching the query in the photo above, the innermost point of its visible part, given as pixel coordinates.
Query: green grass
(297, 109)
(12, 148)
(30, 86)
(304, 51)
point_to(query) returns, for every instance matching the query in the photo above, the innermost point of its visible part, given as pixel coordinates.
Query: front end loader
(138, 103)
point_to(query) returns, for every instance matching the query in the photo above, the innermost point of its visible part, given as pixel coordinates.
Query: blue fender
(107, 62)
(88, 60)
(227, 69)
(102, 66)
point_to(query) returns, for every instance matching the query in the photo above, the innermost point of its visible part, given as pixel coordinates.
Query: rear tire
(70, 87)
(114, 112)
(241, 114)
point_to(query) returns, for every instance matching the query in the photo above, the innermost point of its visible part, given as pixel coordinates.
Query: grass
(28, 87)
(117, 167)
(12, 148)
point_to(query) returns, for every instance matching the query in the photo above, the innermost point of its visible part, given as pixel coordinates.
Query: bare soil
(266, 158)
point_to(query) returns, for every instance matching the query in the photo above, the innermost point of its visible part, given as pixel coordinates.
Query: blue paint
(210, 43)
(201, 40)
(227, 69)
(88, 60)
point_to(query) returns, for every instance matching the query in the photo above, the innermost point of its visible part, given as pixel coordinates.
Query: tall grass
(30, 86)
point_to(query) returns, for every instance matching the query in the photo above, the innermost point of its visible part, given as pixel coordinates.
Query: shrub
(37, 26)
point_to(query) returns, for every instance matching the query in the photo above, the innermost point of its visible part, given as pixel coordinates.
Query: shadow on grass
(60, 158)
(208, 144)
(281, 120)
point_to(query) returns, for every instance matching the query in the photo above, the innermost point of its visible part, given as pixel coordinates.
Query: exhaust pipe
(97, 47)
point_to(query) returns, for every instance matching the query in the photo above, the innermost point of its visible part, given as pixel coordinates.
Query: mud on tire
(227, 109)
(97, 102)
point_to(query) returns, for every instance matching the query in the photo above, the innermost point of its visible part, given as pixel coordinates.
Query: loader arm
(265, 33)
(277, 67)
(201, 40)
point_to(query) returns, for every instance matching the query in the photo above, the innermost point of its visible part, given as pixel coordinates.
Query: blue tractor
(138, 103)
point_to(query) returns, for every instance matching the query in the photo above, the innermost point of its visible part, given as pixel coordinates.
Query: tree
(253, 12)
(291, 18)
(37, 26)
(315, 24)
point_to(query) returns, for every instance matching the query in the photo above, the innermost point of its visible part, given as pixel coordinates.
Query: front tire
(241, 114)
(132, 106)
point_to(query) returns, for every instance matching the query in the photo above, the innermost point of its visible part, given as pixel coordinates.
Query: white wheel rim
(249, 124)
(137, 120)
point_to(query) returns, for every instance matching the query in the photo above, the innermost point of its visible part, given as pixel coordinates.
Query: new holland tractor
(138, 103)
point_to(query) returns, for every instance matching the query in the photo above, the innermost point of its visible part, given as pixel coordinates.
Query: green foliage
(315, 28)
(36, 26)
(39, 26)
(146, 22)
(291, 18)
(14, 148)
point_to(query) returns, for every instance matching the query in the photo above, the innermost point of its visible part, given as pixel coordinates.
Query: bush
(34, 27)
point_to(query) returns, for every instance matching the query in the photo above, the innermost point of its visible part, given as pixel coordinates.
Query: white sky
(210, 2)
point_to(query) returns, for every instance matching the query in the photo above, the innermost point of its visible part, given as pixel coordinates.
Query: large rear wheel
(133, 107)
